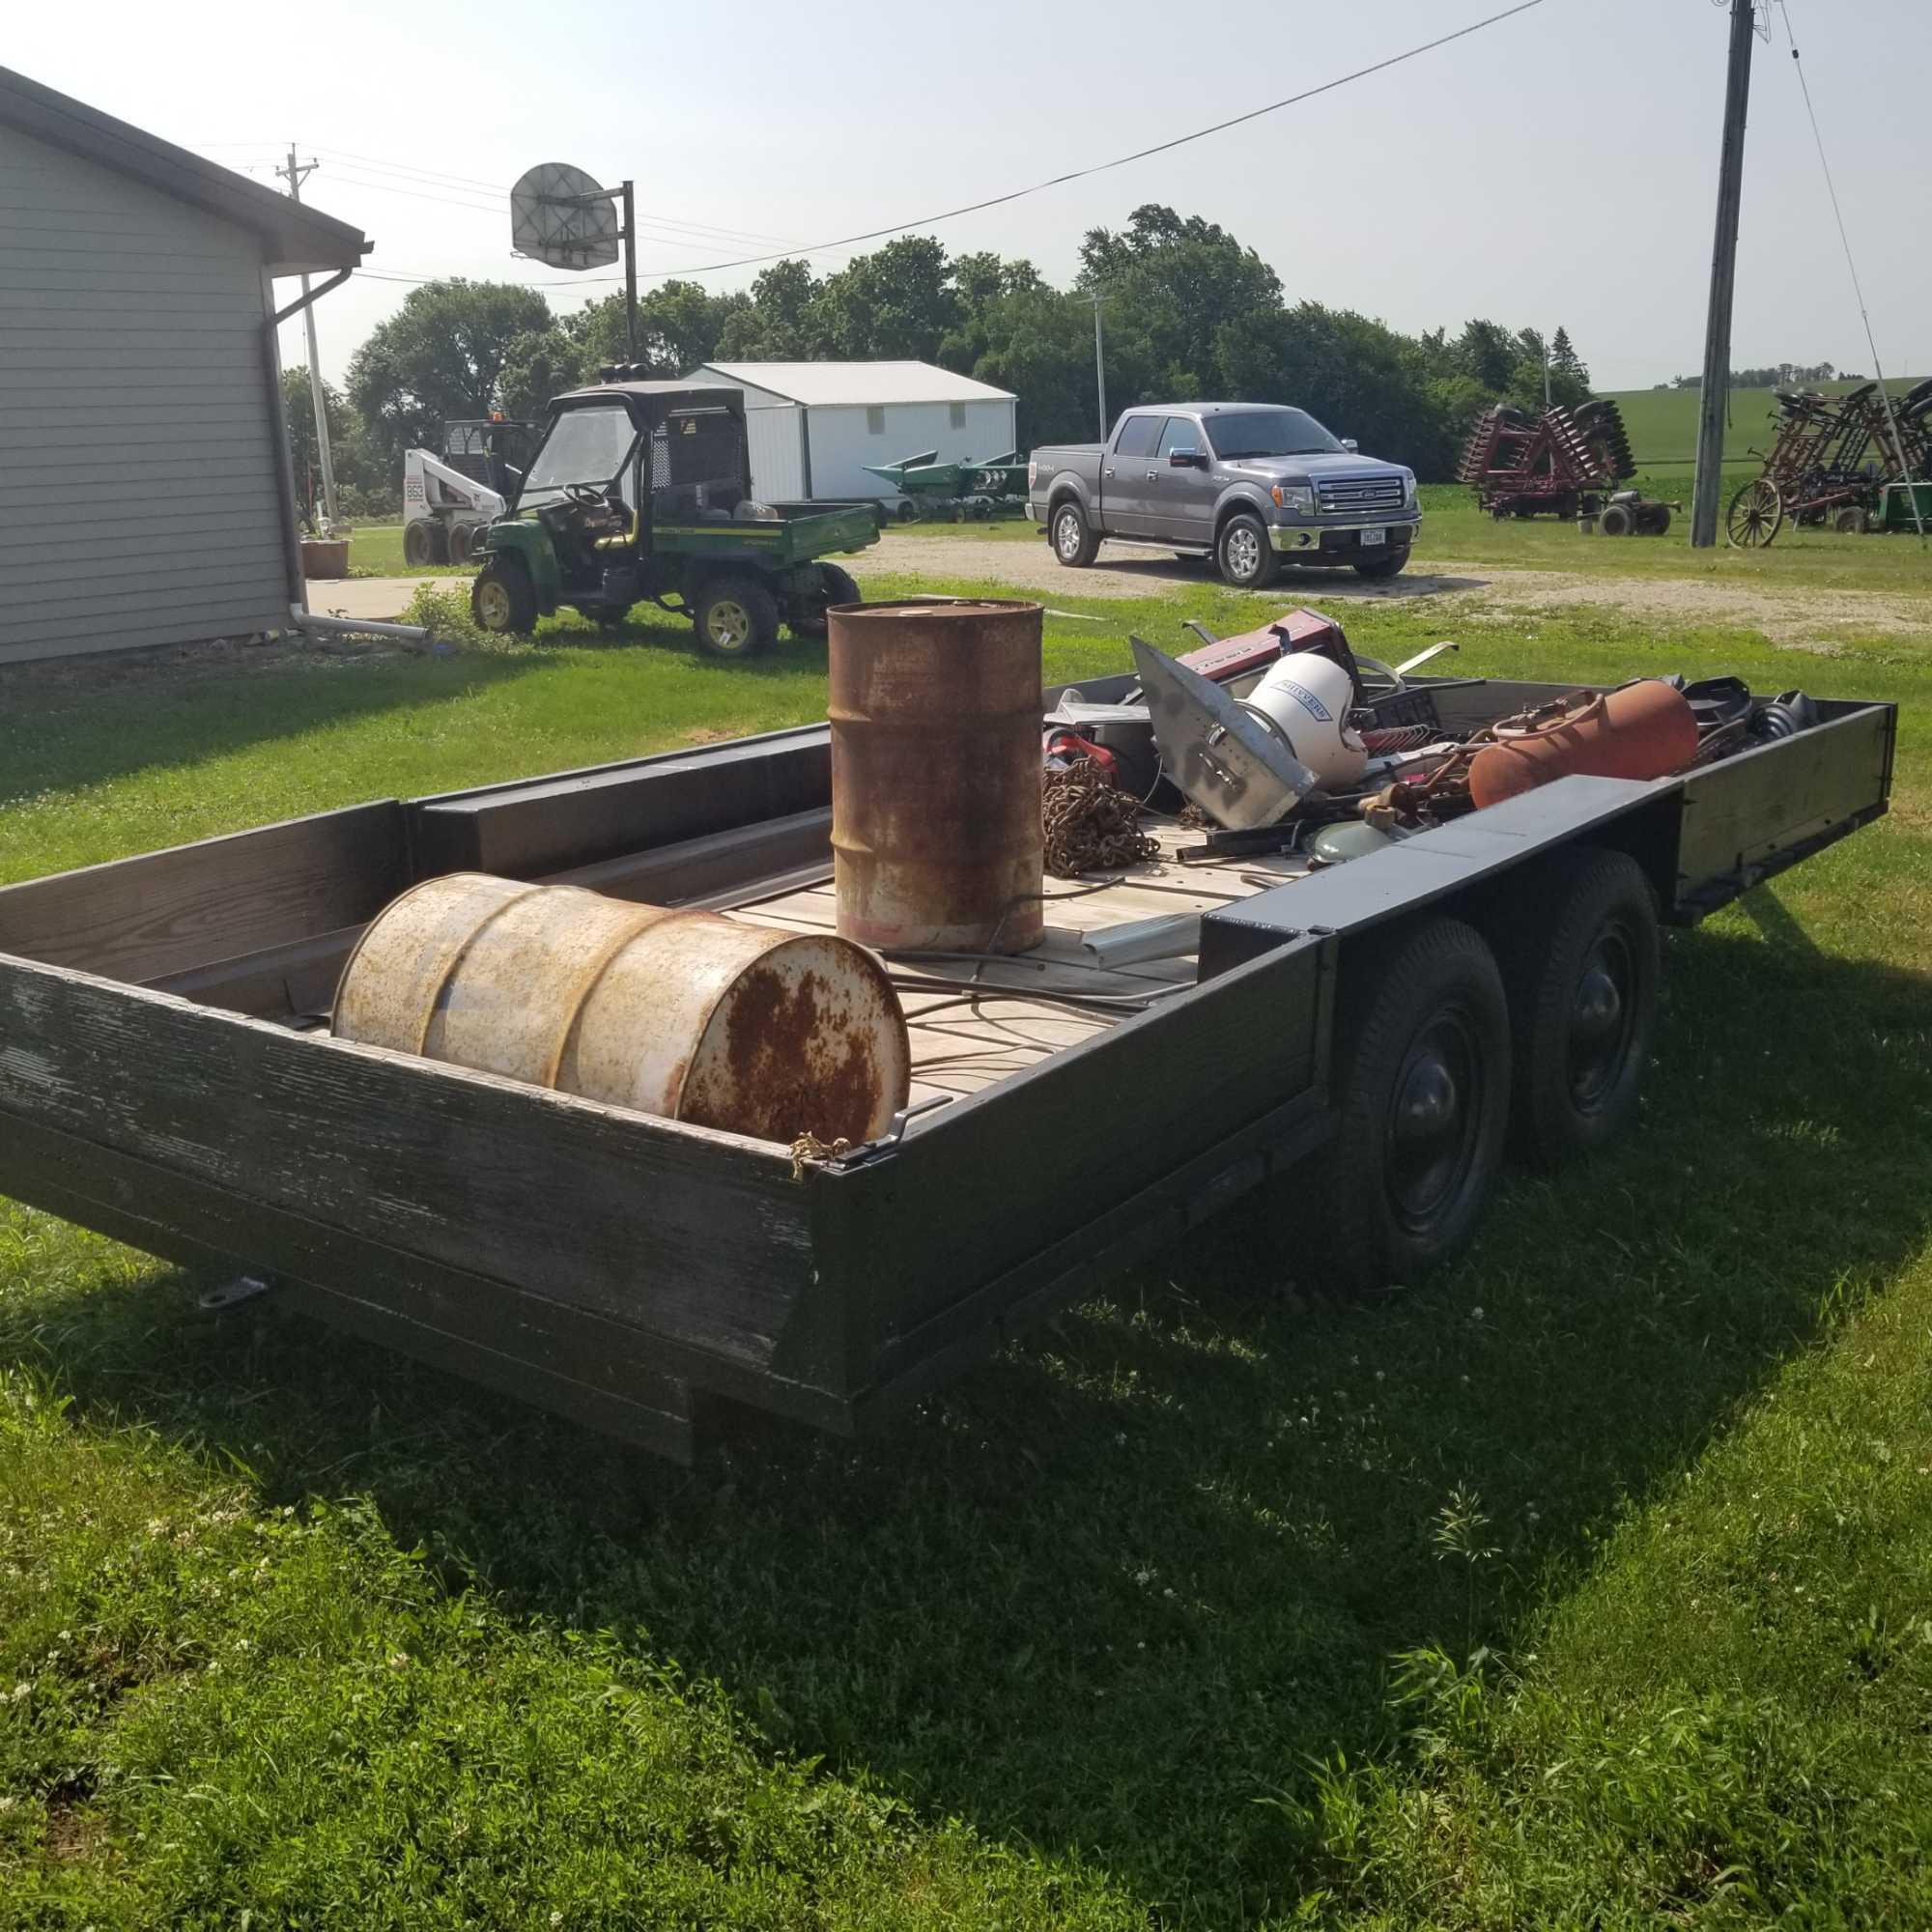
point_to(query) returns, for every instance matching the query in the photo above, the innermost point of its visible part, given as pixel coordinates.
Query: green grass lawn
(1588, 1584)
(376, 549)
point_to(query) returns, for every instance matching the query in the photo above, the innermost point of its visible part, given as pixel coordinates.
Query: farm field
(1586, 1582)
(1663, 423)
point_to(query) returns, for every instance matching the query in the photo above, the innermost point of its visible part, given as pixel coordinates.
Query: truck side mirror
(1185, 458)
(1349, 444)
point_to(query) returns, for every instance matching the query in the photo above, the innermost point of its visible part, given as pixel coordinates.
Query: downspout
(278, 423)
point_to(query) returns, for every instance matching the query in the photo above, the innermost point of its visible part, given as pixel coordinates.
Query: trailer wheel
(1074, 543)
(1849, 521)
(1614, 520)
(503, 600)
(1582, 964)
(736, 616)
(421, 542)
(836, 585)
(1422, 1080)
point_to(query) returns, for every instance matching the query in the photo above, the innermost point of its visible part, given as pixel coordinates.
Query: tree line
(1773, 375)
(1186, 310)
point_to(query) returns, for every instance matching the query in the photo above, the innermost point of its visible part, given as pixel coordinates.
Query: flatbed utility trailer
(167, 1076)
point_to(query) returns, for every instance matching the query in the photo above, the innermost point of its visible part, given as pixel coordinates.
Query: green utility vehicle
(643, 491)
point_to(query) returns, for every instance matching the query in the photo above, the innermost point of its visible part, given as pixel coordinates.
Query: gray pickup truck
(1252, 485)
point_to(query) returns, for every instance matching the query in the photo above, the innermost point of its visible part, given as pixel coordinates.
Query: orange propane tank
(1643, 731)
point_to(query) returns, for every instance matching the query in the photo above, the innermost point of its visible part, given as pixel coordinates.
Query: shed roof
(837, 383)
(294, 237)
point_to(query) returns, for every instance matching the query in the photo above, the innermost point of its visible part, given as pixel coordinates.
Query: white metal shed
(813, 426)
(145, 496)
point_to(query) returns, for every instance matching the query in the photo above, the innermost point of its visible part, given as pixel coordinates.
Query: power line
(458, 183)
(1857, 288)
(1120, 161)
(800, 252)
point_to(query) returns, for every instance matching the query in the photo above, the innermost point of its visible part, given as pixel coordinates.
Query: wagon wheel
(1756, 514)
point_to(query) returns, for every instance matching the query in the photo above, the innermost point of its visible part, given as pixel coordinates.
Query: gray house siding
(140, 501)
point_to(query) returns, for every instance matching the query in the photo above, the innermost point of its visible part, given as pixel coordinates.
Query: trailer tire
(503, 600)
(1849, 521)
(1246, 558)
(1582, 964)
(422, 543)
(1615, 520)
(1074, 543)
(1422, 1079)
(736, 616)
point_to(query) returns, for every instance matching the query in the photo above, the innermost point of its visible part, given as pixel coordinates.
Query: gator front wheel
(503, 600)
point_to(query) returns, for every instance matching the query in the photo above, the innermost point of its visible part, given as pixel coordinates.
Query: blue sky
(1557, 168)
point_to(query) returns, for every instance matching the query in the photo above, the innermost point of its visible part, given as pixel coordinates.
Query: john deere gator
(642, 491)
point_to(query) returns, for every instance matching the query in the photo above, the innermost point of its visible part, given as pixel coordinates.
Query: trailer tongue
(172, 1079)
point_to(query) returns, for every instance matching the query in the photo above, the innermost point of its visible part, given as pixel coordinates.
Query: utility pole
(1100, 366)
(1715, 392)
(294, 174)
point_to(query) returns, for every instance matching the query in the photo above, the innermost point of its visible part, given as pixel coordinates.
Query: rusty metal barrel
(685, 1014)
(935, 775)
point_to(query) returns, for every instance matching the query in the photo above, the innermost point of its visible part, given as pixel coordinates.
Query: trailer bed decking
(963, 1040)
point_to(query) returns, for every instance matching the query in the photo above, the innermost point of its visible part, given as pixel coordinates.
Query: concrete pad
(380, 600)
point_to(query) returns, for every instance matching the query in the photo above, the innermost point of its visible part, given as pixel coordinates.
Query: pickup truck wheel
(735, 618)
(503, 600)
(1422, 1081)
(836, 585)
(1246, 558)
(1582, 965)
(1383, 566)
(1074, 543)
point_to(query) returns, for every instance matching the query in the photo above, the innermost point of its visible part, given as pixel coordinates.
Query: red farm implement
(1565, 462)
(1832, 460)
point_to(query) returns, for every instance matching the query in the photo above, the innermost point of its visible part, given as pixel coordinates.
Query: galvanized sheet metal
(935, 712)
(683, 1015)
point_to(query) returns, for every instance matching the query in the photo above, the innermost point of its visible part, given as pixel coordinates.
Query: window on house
(958, 416)
(875, 419)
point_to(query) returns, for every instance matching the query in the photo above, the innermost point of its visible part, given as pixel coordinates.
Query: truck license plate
(1374, 537)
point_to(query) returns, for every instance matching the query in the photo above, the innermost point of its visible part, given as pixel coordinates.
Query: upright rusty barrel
(684, 1015)
(935, 775)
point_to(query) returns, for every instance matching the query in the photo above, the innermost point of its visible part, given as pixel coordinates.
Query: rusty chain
(1090, 823)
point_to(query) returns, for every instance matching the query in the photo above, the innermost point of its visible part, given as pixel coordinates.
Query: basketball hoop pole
(631, 269)
(626, 194)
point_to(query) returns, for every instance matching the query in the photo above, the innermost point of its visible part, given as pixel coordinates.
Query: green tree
(679, 325)
(538, 364)
(1489, 352)
(774, 325)
(1038, 343)
(1358, 376)
(899, 302)
(1564, 360)
(1171, 286)
(364, 483)
(440, 355)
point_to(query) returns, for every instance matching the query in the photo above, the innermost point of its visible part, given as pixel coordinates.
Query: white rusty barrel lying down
(684, 1015)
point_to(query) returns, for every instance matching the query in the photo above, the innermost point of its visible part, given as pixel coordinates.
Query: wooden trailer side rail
(369, 1174)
